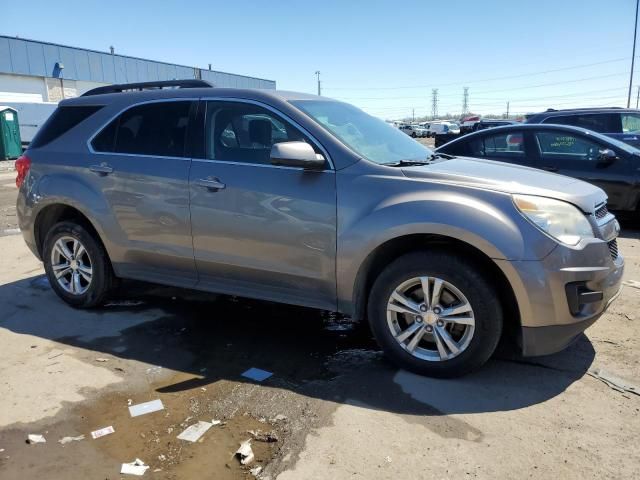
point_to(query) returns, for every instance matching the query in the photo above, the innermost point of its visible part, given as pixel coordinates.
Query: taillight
(23, 164)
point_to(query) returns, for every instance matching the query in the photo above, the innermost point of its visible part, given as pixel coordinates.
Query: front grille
(601, 212)
(613, 248)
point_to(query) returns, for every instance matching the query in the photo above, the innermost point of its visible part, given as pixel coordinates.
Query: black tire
(102, 278)
(468, 279)
(413, 134)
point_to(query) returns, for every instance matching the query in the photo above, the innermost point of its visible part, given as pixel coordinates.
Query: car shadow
(313, 353)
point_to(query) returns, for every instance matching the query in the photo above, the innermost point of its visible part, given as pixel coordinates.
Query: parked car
(468, 123)
(484, 124)
(443, 128)
(420, 131)
(619, 123)
(189, 187)
(605, 162)
(413, 131)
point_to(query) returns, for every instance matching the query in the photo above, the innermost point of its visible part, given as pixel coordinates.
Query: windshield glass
(368, 136)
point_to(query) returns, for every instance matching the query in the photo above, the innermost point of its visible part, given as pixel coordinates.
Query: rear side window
(61, 121)
(598, 122)
(157, 129)
(507, 146)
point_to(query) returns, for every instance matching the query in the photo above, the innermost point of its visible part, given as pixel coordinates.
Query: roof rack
(123, 87)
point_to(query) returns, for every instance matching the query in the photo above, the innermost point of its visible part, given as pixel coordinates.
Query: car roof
(570, 111)
(529, 126)
(159, 94)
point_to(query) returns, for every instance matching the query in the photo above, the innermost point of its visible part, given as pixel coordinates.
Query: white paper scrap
(33, 438)
(195, 431)
(102, 432)
(245, 453)
(146, 407)
(257, 374)
(137, 467)
(65, 440)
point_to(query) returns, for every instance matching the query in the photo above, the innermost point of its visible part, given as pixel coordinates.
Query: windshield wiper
(407, 163)
(435, 155)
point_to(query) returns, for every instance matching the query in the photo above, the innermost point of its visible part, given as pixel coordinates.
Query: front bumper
(562, 295)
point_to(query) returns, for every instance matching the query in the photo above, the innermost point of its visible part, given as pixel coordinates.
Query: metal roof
(30, 57)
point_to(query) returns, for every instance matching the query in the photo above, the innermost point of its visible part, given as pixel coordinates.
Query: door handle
(211, 183)
(102, 169)
(550, 168)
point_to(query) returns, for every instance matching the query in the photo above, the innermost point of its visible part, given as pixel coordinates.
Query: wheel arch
(394, 248)
(55, 213)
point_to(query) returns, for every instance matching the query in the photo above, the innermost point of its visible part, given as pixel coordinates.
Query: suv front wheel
(77, 265)
(435, 314)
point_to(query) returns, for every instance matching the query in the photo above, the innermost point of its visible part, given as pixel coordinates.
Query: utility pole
(633, 54)
(413, 114)
(434, 103)
(318, 76)
(638, 97)
(465, 101)
(507, 111)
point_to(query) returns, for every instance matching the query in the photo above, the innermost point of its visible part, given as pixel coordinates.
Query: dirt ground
(336, 407)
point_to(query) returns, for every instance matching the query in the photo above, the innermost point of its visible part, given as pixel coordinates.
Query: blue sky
(384, 56)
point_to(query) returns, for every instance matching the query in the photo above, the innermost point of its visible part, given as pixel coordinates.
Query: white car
(414, 131)
(441, 128)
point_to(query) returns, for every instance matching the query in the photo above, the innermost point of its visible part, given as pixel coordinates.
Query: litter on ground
(244, 453)
(102, 432)
(195, 431)
(65, 440)
(257, 374)
(216, 422)
(102, 360)
(255, 471)
(34, 438)
(137, 467)
(146, 407)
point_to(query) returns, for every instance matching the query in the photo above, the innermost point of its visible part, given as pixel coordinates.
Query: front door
(577, 156)
(142, 167)
(260, 230)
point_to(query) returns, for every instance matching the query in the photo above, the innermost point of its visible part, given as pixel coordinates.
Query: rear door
(576, 155)
(141, 164)
(261, 230)
(512, 146)
(630, 124)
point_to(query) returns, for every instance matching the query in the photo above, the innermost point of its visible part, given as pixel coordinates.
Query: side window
(630, 123)
(563, 146)
(158, 129)
(242, 132)
(598, 122)
(507, 146)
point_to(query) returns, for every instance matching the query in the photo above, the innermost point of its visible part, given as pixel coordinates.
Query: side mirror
(607, 157)
(296, 154)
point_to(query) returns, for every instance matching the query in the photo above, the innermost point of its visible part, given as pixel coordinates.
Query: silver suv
(305, 200)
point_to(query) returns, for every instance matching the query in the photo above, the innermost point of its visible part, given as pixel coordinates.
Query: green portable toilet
(10, 143)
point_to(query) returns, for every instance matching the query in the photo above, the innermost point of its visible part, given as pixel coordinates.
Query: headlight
(559, 219)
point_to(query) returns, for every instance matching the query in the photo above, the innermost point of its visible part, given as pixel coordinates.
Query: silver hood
(508, 178)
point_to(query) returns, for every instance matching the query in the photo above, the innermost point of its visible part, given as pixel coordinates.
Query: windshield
(368, 136)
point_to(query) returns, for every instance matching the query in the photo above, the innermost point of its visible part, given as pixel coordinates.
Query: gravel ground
(336, 407)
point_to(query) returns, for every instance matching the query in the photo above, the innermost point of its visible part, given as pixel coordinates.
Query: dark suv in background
(619, 123)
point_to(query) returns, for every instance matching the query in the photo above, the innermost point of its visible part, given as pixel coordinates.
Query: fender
(70, 190)
(481, 218)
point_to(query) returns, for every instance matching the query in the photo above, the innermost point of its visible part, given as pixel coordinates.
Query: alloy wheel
(430, 318)
(71, 265)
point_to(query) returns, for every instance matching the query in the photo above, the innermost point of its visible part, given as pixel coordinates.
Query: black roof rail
(123, 87)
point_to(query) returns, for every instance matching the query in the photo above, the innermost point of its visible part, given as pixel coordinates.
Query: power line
(541, 72)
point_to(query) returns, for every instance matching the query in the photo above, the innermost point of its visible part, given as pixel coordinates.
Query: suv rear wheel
(77, 265)
(435, 314)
